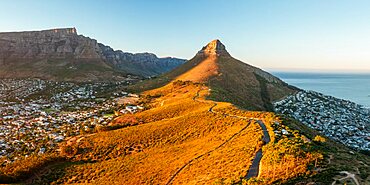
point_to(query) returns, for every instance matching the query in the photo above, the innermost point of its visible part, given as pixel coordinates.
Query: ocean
(353, 87)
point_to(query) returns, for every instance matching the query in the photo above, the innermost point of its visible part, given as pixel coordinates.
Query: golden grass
(201, 72)
(154, 151)
(175, 132)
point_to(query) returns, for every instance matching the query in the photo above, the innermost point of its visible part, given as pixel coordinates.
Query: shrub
(319, 139)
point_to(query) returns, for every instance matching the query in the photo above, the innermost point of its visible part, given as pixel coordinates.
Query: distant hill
(143, 64)
(230, 80)
(62, 54)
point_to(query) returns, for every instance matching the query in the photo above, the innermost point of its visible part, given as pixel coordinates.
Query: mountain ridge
(38, 50)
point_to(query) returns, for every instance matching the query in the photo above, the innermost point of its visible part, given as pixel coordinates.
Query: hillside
(230, 79)
(62, 54)
(176, 137)
(181, 138)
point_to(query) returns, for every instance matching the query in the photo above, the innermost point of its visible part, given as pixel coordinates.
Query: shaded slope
(245, 85)
(68, 69)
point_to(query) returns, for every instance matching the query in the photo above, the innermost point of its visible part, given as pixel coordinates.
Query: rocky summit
(215, 47)
(62, 54)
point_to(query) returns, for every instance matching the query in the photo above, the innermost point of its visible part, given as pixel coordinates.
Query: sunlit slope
(178, 128)
(230, 79)
(174, 131)
(178, 140)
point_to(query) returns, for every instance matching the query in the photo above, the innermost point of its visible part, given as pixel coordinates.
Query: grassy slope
(68, 69)
(240, 84)
(166, 78)
(236, 82)
(174, 131)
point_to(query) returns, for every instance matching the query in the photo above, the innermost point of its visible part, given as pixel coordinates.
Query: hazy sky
(285, 34)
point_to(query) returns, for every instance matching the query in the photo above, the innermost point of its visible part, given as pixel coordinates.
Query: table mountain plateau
(62, 54)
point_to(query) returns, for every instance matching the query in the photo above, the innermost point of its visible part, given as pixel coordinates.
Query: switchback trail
(253, 171)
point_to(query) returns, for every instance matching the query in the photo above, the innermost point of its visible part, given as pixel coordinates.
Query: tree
(320, 139)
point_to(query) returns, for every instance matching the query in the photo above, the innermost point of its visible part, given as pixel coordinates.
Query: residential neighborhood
(36, 115)
(341, 120)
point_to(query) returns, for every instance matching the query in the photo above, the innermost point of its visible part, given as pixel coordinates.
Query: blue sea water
(353, 87)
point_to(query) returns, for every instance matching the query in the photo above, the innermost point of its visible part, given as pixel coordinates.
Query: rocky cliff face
(63, 54)
(56, 43)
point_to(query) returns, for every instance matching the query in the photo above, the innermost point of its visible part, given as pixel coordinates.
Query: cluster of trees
(289, 156)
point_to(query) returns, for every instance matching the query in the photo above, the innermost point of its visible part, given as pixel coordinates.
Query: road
(254, 169)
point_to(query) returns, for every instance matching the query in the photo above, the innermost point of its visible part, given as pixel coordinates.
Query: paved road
(254, 169)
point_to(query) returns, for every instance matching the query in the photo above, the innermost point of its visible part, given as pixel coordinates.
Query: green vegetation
(289, 156)
(337, 157)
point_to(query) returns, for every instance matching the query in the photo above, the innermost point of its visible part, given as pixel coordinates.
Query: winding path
(254, 169)
(349, 175)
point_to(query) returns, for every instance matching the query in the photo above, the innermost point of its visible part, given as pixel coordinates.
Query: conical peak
(215, 47)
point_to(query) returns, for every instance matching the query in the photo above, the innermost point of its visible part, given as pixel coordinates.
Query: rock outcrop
(215, 47)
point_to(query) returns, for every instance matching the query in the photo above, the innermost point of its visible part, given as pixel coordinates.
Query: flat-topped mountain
(230, 80)
(62, 54)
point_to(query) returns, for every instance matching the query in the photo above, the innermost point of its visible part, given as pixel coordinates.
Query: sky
(284, 35)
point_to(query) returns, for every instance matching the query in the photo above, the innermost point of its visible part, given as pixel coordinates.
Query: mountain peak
(214, 47)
